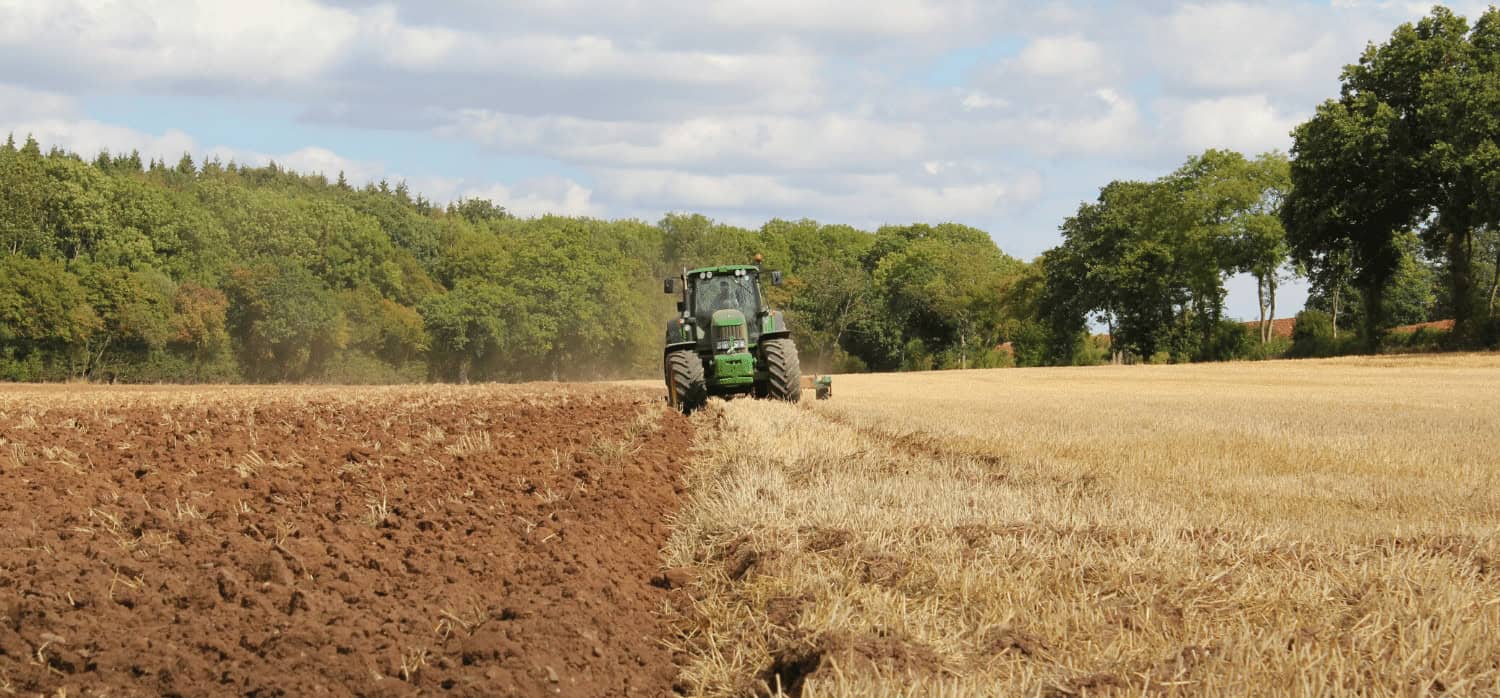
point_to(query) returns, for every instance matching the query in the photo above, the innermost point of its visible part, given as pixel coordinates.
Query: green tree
(830, 302)
(942, 285)
(694, 240)
(285, 323)
(1411, 294)
(23, 192)
(199, 321)
(468, 328)
(1118, 260)
(1350, 196)
(45, 319)
(1410, 142)
(1263, 245)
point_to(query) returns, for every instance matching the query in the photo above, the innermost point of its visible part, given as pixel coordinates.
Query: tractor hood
(730, 334)
(728, 318)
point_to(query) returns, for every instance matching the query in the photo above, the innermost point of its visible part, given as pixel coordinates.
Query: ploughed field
(293, 540)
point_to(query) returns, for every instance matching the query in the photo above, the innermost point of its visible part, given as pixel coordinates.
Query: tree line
(1388, 203)
(135, 270)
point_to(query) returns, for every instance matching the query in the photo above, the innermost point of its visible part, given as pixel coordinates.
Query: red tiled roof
(1438, 325)
(1279, 328)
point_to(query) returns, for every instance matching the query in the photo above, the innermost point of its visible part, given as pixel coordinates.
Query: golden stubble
(1314, 527)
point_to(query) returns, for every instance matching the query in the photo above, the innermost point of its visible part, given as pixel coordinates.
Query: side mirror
(669, 286)
(775, 278)
(681, 307)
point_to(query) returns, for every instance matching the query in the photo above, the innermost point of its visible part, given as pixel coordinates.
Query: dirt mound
(304, 541)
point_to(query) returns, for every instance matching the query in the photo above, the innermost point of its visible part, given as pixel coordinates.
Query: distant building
(1279, 328)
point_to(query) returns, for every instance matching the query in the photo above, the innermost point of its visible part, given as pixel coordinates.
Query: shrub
(1028, 342)
(164, 366)
(1423, 339)
(1489, 333)
(1231, 340)
(1313, 335)
(1277, 348)
(360, 368)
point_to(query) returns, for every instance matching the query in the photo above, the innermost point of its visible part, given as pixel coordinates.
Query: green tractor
(726, 340)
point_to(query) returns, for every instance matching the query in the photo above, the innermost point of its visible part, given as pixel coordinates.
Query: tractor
(726, 341)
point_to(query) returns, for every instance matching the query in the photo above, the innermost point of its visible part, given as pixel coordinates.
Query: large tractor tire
(786, 371)
(686, 389)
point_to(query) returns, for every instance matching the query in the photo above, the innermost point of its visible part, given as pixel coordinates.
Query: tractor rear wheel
(686, 389)
(786, 371)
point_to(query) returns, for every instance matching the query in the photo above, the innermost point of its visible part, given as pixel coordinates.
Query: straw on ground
(1279, 528)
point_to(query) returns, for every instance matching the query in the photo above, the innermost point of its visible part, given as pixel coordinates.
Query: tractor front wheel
(786, 371)
(686, 389)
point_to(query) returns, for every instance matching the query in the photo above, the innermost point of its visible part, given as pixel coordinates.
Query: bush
(1423, 339)
(1277, 348)
(1489, 333)
(993, 358)
(849, 363)
(162, 366)
(359, 368)
(1313, 335)
(1231, 340)
(1091, 350)
(1028, 342)
(20, 367)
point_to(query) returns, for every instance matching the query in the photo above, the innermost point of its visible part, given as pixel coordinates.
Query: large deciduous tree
(1409, 143)
(1148, 260)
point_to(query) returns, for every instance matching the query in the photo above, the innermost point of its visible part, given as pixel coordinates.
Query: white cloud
(1248, 123)
(974, 100)
(540, 196)
(1069, 57)
(865, 199)
(1235, 46)
(1409, 10)
(311, 159)
(1099, 123)
(375, 58)
(529, 197)
(1117, 130)
(20, 103)
(589, 56)
(727, 21)
(875, 17)
(88, 137)
(174, 40)
(754, 142)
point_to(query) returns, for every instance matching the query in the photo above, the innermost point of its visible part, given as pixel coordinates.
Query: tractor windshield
(725, 292)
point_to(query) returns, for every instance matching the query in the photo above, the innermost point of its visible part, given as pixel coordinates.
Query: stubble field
(1279, 528)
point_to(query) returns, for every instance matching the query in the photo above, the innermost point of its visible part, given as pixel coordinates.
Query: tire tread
(685, 380)
(785, 370)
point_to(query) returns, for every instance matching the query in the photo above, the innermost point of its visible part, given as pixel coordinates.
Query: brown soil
(302, 541)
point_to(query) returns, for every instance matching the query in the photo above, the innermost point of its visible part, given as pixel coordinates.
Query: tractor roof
(725, 269)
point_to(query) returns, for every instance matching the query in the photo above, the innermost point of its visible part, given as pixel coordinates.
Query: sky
(997, 114)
